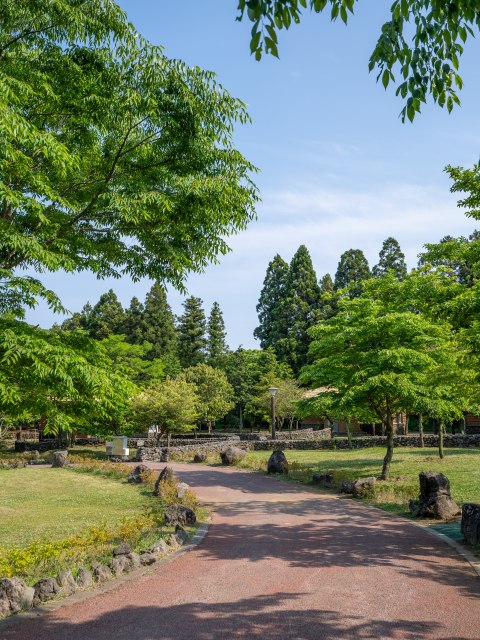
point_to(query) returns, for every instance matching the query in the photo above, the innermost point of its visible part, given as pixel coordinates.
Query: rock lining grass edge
(80, 596)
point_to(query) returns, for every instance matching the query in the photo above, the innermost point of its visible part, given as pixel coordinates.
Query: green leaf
(386, 78)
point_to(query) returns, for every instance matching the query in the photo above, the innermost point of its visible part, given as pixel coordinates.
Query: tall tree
(420, 55)
(158, 324)
(214, 392)
(132, 322)
(171, 406)
(299, 310)
(216, 341)
(328, 300)
(352, 269)
(376, 362)
(240, 375)
(106, 317)
(391, 257)
(268, 307)
(191, 333)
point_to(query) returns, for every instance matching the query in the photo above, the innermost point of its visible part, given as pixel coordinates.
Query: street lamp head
(273, 391)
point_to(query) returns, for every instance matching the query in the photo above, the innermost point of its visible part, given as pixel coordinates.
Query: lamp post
(273, 391)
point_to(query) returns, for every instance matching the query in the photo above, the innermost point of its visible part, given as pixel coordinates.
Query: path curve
(282, 563)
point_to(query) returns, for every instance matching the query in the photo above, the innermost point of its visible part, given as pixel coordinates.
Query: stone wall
(211, 448)
(302, 434)
(22, 446)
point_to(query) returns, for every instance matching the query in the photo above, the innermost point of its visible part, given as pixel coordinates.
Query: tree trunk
(406, 425)
(440, 440)
(296, 425)
(290, 422)
(169, 436)
(241, 420)
(383, 428)
(389, 455)
(347, 426)
(420, 429)
(463, 426)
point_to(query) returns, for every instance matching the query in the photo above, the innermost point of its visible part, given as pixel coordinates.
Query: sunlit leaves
(438, 29)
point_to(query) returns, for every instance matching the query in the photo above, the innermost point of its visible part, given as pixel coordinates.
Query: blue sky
(338, 168)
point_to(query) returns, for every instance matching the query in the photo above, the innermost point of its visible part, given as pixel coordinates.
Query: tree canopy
(351, 271)
(191, 333)
(216, 336)
(391, 257)
(428, 64)
(213, 391)
(378, 363)
(268, 307)
(114, 159)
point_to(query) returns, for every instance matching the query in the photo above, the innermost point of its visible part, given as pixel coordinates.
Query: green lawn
(58, 503)
(461, 466)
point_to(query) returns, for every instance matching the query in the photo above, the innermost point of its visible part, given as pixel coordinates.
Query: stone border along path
(282, 561)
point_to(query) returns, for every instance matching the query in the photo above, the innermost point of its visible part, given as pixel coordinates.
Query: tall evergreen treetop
(391, 257)
(352, 268)
(328, 301)
(216, 342)
(191, 333)
(158, 324)
(272, 294)
(106, 317)
(131, 326)
(299, 309)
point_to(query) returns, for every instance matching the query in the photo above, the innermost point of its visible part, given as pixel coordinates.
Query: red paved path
(281, 563)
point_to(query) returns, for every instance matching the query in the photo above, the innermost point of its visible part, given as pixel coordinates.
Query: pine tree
(216, 343)
(131, 326)
(106, 317)
(272, 294)
(352, 268)
(191, 333)
(78, 320)
(391, 257)
(158, 324)
(298, 311)
(328, 300)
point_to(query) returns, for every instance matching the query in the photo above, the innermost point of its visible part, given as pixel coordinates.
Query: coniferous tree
(299, 310)
(78, 320)
(158, 324)
(191, 333)
(106, 317)
(268, 306)
(328, 300)
(216, 342)
(131, 326)
(352, 268)
(391, 257)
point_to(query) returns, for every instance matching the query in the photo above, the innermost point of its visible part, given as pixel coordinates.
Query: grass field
(461, 466)
(56, 502)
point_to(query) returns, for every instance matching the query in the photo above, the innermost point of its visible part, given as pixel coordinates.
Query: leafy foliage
(62, 375)
(214, 392)
(429, 65)
(170, 405)
(375, 363)
(106, 317)
(114, 158)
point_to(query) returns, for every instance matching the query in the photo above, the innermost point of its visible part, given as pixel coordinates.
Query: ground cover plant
(461, 466)
(65, 518)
